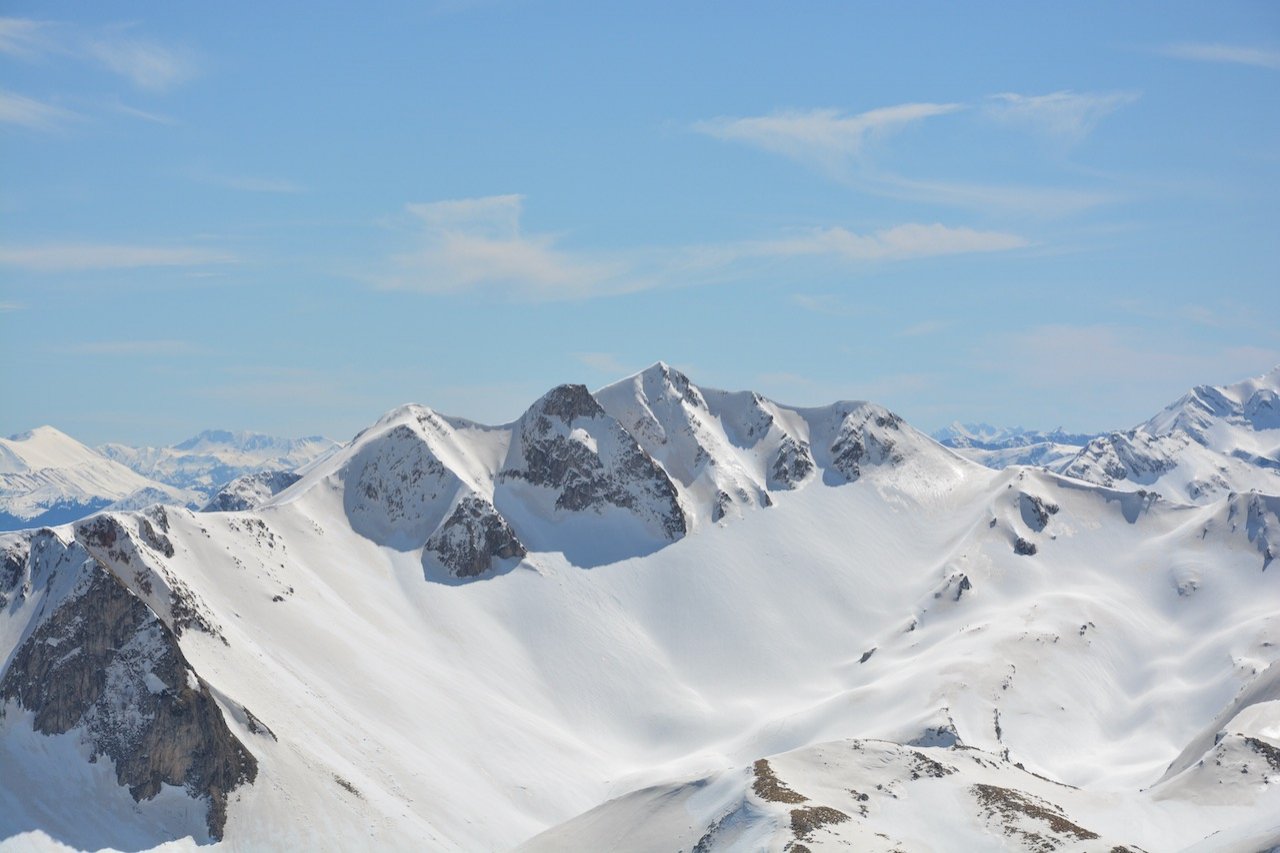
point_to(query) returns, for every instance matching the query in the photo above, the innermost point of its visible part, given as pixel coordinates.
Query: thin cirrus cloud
(1236, 54)
(148, 64)
(30, 113)
(466, 244)
(823, 138)
(84, 257)
(1068, 117)
(835, 144)
(478, 244)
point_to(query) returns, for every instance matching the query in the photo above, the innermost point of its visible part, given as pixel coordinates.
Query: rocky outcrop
(103, 663)
(791, 464)
(1035, 511)
(397, 489)
(472, 537)
(568, 445)
(865, 436)
(250, 491)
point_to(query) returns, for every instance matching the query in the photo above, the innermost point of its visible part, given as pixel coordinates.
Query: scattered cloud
(827, 138)
(835, 144)
(822, 303)
(1068, 117)
(602, 362)
(6, 307)
(22, 37)
(473, 243)
(145, 115)
(478, 243)
(16, 109)
(147, 64)
(1231, 53)
(896, 243)
(136, 347)
(80, 257)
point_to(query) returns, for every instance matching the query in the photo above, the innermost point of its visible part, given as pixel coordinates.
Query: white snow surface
(1211, 441)
(46, 476)
(876, 596)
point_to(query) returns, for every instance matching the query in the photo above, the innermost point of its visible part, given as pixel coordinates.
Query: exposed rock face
(250, 491)
(791, 464)
(1133, 455)
(132, 547)
(566, 443)
(468, 541)
(866, 435)
(1023, 547)
(397, 489)
(104, 663)
(1035, 511)
(673, 422)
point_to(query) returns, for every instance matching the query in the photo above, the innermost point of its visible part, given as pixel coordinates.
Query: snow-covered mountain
(206, 462)
(654, 617)
(47, 477)
(1000, 447)
(1211, 441)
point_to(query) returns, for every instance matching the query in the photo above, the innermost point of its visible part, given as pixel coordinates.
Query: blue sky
(288, 218)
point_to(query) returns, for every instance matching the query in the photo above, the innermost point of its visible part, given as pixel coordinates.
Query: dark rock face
(865, 437)
(1023, 547)
(586, 479)
(122, 543)
(471, 537)
(569, 402)
(1036, 511)
(102, 661)
(397, 490)
(791, 464)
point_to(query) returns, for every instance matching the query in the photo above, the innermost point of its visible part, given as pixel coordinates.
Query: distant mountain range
(663, 616)
(47, 477)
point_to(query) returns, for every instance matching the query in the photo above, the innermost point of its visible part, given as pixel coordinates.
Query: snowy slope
(887, 601)
(47, 477)
(1213, 440)
(205, 462)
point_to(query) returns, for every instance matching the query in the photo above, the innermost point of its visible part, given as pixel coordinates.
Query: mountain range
(47, 477)
(662, 616)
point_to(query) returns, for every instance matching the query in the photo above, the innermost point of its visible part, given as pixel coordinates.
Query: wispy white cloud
(478, 244)
(835, 144)
(145, 115)
(827, 138)
(1068, 117)
(1231, 53)
(896, 243)
(146, 63)
(6, 307)
(20, 110)
(81, 257)
(22, 37)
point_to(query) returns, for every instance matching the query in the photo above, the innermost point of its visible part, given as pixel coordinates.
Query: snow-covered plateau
(664, 617)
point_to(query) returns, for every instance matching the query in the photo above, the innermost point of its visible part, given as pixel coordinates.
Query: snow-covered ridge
(1211, 441)
(457, 636)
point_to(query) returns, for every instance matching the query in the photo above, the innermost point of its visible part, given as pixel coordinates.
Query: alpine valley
(657, 617)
